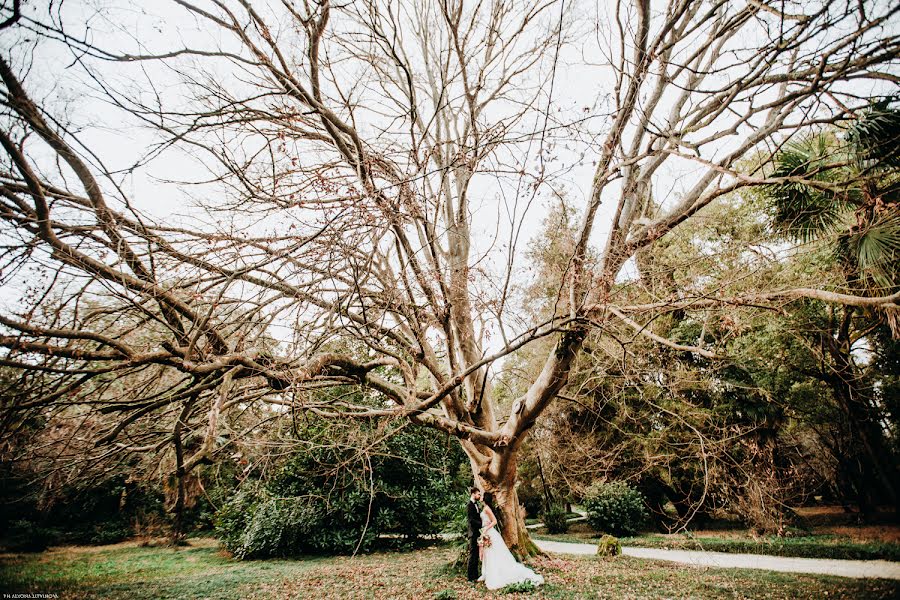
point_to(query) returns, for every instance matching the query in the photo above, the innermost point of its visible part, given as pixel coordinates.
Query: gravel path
(882, 569)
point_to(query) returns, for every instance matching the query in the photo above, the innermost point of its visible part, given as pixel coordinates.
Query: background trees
(850, 202)
(371, 170)
(764, 421)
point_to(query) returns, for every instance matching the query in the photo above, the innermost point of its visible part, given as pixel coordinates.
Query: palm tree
(844, 191)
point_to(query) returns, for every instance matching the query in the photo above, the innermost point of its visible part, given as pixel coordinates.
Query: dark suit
(474, 517)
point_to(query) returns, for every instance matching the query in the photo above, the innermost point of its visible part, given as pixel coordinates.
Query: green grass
(133, 572)
(127, 571)
(811, 546)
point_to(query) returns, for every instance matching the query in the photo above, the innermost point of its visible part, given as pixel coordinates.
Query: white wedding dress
(499, 567)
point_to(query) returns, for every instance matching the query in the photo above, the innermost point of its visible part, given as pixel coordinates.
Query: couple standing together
(499, 567)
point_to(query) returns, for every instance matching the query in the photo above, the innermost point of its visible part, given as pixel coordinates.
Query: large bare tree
(360, 152)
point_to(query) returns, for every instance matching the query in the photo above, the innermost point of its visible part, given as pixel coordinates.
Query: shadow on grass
(134, 572)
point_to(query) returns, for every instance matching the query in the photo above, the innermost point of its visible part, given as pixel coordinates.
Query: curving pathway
(880, 569)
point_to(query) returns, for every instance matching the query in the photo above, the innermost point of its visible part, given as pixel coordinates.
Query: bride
(499, 567)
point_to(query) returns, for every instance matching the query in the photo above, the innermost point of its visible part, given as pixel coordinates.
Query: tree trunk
(500, 482)
(548, 498)
(867, 441)
(177, 535)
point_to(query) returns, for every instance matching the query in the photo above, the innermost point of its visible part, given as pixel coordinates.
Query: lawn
(127, 571)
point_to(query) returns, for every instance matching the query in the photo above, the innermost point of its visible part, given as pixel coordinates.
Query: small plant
(26, 536)
(609, 546)
(110, 533)
(556, 519)
(615, 508)
(522, 587)
(447, 594)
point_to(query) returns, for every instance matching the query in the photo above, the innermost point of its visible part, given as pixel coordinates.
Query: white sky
(160, 24)
(58, 82)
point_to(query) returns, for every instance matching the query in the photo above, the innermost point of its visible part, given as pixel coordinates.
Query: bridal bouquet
(485, 539)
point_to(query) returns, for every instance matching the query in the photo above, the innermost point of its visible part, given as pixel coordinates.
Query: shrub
(609, 546)
(95, 511)
(259, 524)
(233, 517)
(615, 508)
(326, 501)
(111, 532)
(447, 594)
(27, 536)
(556, 519)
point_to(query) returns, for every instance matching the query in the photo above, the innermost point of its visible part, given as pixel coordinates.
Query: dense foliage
(338, 499)
(615, 507)
(556, 519)
(746, 412)
(105, 513)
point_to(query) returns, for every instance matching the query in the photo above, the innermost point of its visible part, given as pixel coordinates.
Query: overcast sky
(60, 82)
(580, 90)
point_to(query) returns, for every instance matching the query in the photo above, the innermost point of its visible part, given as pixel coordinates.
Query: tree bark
(177, 535)
(512, 521)
(501, 484)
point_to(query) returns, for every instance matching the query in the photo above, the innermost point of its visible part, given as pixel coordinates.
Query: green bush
(110, 532)
(331, 500)
(27, 536)
(286, 526)
(88, 511)
(556, 519)
(615, 508)
(233, 517)
(260, 524)
(447, 594)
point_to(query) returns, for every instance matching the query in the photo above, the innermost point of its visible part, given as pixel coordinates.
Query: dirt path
(882, 569)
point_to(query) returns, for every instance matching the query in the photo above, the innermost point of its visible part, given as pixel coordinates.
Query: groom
(474, 518)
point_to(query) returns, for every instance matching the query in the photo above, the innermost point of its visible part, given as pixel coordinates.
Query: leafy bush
(110, 532)
(556, 519)
(102, 511)
(260, 524)
(329, 499)
(233, 517)
(615, 508)
(457, 524)
(285, 526)
(27, 536)
(107, 512)
(447, 594)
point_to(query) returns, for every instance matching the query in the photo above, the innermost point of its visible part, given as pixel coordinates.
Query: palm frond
(874, 138)
(800, 208)
(875, 248)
